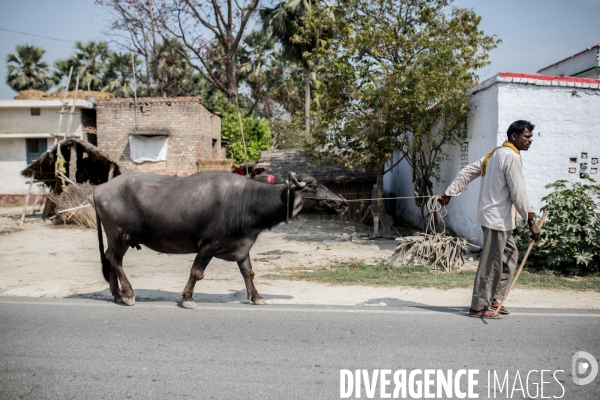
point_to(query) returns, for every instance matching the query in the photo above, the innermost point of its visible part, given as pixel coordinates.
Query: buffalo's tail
(105, 263)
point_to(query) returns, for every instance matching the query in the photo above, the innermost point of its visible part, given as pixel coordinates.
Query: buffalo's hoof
(129, 300)
(188, 304)
(259, 302)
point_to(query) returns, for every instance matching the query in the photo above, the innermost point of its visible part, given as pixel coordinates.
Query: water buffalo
(213, 214)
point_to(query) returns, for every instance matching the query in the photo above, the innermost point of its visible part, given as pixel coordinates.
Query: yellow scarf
(488, 155)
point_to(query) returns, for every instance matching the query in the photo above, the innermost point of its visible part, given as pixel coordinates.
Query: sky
(534, 33)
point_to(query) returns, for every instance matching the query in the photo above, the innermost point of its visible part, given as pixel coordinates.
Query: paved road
(90, 349)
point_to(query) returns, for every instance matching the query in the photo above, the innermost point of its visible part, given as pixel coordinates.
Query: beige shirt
(502, 189)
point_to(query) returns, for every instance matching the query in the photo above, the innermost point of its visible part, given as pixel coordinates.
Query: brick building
(172, 135)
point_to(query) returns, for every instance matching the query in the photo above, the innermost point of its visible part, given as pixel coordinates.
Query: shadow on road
(146, 295)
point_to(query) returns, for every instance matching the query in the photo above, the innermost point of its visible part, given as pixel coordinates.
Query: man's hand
(444, 200)
(533, 228)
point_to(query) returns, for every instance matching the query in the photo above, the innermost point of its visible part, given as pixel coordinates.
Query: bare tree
(225, 20)
(197, 24)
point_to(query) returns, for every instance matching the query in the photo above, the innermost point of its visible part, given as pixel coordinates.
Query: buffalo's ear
(297, 207)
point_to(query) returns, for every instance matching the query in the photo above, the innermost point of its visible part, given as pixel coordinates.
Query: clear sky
(534, 33)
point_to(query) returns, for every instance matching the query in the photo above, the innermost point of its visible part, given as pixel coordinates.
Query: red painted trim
(549, 77)
(574, 55)
(6, 199)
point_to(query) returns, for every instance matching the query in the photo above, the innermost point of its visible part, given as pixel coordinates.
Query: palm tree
(280, 20)
(26, 70)
(119, 74)
(89, 62)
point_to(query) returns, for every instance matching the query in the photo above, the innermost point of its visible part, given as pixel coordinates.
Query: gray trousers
(499, 258)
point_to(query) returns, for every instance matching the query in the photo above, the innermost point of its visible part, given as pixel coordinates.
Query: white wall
(575, 65)
(20, 120)
(13, 159)
(567, 123)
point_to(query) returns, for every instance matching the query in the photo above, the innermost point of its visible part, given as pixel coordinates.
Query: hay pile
(433, 250)
(211, 164)
(32, 94)
(75, 206)
(436, 252)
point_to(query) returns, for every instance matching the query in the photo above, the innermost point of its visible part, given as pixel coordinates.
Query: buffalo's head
(316, 198)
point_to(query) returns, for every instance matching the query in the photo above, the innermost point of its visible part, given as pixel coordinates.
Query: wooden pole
(72, 109)
(73, 162)
(520, 268)
(26, 201)
(62, 109)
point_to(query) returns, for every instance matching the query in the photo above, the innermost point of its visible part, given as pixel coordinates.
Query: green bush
(256, 134)
(570, 239)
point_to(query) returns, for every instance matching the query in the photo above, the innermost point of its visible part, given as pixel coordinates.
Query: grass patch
(358, 273)
(8, 231)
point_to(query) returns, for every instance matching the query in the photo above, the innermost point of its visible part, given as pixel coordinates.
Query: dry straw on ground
(75, 206)
(436, 251)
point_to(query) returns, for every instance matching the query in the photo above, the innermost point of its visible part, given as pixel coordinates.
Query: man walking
(502, 190)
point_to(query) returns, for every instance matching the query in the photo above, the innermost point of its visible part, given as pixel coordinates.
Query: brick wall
(192, 130)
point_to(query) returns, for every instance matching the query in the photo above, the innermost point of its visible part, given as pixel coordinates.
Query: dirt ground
(42, 260)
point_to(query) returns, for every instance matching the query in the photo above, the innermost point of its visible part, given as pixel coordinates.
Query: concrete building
(171, 136)
(585, 64)
(566, 141)
(27, 130)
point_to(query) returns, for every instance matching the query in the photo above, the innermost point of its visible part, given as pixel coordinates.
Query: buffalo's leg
(196, 274)
(115, 255)
(248, 274)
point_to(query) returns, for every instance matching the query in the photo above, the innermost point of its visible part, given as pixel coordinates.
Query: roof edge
(537, 80)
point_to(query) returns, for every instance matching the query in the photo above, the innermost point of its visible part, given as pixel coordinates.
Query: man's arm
(516, 183)
(465, 176)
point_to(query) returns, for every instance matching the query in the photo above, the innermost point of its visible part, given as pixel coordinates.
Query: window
(35, 148)
(36, 111)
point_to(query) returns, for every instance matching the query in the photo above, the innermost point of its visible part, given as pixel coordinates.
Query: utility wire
(31, 34)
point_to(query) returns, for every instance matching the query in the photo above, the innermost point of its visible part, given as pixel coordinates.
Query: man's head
(520, 133)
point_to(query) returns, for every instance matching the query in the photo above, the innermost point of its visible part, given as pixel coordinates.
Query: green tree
(256, 132)
(26, 70)
(395, 76)
(90, 62)
(172, 74)
(118, 76)
(283, 22)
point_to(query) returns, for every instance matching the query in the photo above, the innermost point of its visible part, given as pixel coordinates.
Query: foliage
(172, 74)
(570, 239)
(395, 76)
(201, 27)
(26, 70)
(90, 62)
(118, 76)
(283, 22)
(256, 132)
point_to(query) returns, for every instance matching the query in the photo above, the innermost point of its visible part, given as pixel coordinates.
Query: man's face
(522, 141)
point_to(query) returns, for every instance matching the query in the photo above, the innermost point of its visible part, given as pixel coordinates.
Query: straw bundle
(437, 252)
(211, 164)
(75, 206)
(32, 94)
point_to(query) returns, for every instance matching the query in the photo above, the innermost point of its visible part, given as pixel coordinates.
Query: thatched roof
(97, 163)
(284, 161)
(32, 94)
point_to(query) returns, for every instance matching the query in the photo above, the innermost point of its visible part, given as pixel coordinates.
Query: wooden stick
(520, 268)
(26, 202)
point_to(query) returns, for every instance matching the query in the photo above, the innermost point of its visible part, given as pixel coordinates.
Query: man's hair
(519, 127)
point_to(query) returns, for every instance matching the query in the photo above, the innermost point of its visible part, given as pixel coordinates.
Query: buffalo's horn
(293, 178)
